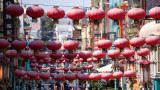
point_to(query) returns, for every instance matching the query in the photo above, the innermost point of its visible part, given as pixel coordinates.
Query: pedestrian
(58, 85)
(65, 85)
(39, 86)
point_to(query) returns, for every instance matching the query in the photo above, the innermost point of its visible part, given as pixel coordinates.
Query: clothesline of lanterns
(76, 13)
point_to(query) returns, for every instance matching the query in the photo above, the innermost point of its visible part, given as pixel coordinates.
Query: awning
(27, 26)
(107, 68)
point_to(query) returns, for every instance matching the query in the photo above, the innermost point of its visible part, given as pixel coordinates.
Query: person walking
(58, 85)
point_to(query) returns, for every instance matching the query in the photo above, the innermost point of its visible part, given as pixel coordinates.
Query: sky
(47, 4)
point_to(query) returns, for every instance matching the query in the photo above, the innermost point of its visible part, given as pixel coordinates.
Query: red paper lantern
(33, 65)
(84, 68)
(39, 66)
(55, 13)
(152, 40)
(26, 54)
(114, 53)
(99, 54)
(19, 72)
(76, 60)
(155, 13)
(44, 76)
(40, 55)
(11, 54)
(66, 69)
(89, 60)
(104, 44)
(72, 69)
(96, 14)
(128, 53)
(59, 77)
(3, 43)
(53, 74)
(81, 59)
(70, 45)
(19, 44)
(56, 56)
(116, 14)
(76, 14)
(94, 76)
(85, 54)
(95, 60)
(53, 45)
(70, 77)
(106, 76)
(35, 11)
(52, 68)
(33, 61)
(117, 74)
(14, 10)
(70, 56)
(136, 13)
(129, 73)
(121, 43)
(137, 42)
(90, 66)
(36, 45)
(143, 52)
(82, 77)
(25, 77)
(32, 74)
(79, 69)
(61, 59)
(41, 61)
(37, 78)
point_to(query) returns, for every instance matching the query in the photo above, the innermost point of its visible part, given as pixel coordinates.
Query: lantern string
(54, 5)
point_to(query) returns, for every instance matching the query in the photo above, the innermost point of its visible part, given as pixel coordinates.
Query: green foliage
(47, 23)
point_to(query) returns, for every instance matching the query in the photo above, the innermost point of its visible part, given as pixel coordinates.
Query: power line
(55, 5)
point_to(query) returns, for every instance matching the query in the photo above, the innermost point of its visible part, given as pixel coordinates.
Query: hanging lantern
(11, 54)
(32, 74)
(84, 68)
(39, 66)
(136, 14)
(70, 45)
(70, 56)
(44, 76)
(128, 53)
(70, 77)
(53, 74)
(116, 14)
(4, 44)
(114, 53)
(53, 45)
(79, 69)
(14, 10)
(106, 76)
(82, 77)
(155, 13)
(96, 15)
(37, 78)
(121, 43)
(52, 68)
(152, 41)
(72, 69)
(36, 45)
(26, 55)
(55, 13)
(143, 52)
(118, 75)
(84, 55)
(81, 59)
(18, 45)
(56, 56)
(66, 69)
(59, 77)
(137, 42)
(89, 66)
(19, 72)
(95, 60)
(89, 60)
(25, 77)
(40, 55)
(99, 54)
(94, 76)
(104, 44)
(129, 73)
(33, 65)
(76, 14)
(35, 12)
